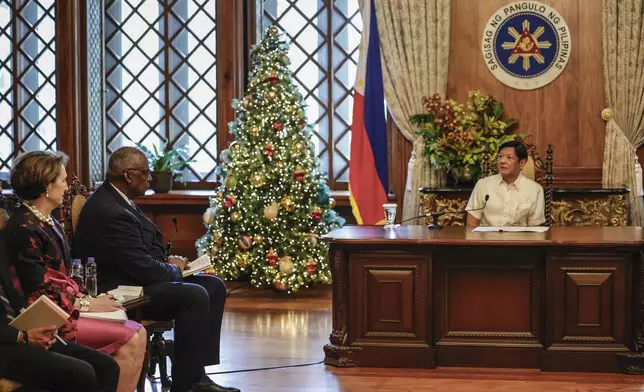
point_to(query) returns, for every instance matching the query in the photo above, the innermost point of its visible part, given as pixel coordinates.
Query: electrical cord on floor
(156, 379)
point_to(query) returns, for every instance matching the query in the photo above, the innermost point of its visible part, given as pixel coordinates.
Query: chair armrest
(134, 307)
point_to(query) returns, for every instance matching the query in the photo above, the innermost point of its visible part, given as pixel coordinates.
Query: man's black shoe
(207, 385)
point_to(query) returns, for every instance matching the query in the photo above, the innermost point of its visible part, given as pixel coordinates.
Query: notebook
(197, 265)
(42, 312)
(118, 316)
(123, 294)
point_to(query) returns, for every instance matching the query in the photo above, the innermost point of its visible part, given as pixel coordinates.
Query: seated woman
(39, 260)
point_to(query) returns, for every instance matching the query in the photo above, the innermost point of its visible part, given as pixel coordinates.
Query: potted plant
(166, 164)
(456, 138)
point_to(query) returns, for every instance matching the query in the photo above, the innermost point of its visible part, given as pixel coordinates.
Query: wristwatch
(84, 304)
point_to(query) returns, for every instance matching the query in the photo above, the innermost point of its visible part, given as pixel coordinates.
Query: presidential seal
(526, 45)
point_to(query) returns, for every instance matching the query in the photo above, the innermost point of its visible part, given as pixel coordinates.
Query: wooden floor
(267, 329)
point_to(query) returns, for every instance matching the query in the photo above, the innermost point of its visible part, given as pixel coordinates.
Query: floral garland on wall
(457, 138)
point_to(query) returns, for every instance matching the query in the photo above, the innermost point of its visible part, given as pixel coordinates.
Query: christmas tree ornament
(286, 265)
(271, 95)
(299, 174)
(272, 257)
(272, 31)
(311, 265)
(311, 239)
(316, 212)
(209, 216)
(285, 60)
(271, 210)
(213, 252)
(277, 126)
(257, 180)
(242, 259)
(279, 286)
(230, 201)
(269, 150)
(254, 132)
(331, 203)
(258, 239)
(297, 147)
(233, 146)
(245, 242)
(287, 203)
(225, 156)
(216, 237)
(220, 196)
(235, 216)
(248, 100)
(231, 182)
(279, 165)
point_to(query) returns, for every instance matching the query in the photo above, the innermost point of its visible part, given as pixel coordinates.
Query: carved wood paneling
(389, 302)
(497, 299)
(590, 301)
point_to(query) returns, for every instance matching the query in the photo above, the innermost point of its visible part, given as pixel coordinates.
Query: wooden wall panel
(565, 113)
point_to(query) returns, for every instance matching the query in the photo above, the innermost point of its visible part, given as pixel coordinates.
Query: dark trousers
(197, 307)
(71, 368)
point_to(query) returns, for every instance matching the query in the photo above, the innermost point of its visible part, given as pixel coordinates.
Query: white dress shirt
(518, 204)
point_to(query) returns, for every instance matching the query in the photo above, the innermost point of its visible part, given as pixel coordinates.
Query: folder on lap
(42, 312)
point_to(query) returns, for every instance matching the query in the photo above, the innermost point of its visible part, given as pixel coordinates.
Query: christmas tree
(273, 203)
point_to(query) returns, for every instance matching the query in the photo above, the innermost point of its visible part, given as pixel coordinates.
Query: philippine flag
(368, 182)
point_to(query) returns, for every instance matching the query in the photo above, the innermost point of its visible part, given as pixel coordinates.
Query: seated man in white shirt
(514, 200)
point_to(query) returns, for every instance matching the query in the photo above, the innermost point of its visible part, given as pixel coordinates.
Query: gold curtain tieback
(608, 114)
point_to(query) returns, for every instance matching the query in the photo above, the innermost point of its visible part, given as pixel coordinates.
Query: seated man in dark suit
(128, 249)
(38, 361)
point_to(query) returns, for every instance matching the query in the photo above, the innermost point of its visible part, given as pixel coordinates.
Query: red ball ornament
(230, 201)
(277, 126)
(272, 257)
(316, 212)
(299, 175)
(269, 150)
(279, 286)
(245, 242)
(272, 78)
(311, 266)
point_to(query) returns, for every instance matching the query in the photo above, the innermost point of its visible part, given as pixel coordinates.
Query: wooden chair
(158, 348)
(535, 169)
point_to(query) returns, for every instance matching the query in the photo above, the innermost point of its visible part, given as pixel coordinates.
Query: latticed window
(161, 79)
(27, 78)
(325, 36)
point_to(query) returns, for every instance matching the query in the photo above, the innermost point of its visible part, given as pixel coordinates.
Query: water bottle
(90, 277)
(77, 273)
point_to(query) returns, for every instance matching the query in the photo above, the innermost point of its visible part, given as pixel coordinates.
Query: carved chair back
(73, 202)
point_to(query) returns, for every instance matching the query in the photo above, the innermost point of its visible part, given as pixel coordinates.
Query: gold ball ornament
(271, 210)
(258, 239)
(257, 180)
(288, 204)
(279, 165)
(216, 236)
(209, 216)
(273, 31)
(286, 265)
(311, 239)
(235, 216)
(271, 95)
(297, 147)
(230, 182)
(242, 259)
(219, 196)
(331, 203)
(254, 132)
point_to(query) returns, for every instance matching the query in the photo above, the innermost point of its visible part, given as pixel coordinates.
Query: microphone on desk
(168, 246)
(433, 216)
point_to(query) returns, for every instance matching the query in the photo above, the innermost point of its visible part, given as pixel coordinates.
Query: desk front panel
(551, 308)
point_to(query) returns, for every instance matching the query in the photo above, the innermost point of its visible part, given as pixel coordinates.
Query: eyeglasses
(145, 173)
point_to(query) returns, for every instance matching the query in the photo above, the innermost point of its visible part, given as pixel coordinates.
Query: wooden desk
(570, 299)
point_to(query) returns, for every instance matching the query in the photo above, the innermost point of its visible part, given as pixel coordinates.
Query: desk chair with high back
(159, 348)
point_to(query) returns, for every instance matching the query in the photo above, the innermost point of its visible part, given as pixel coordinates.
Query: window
(161, 79)
(325, 37)
(27, 78)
